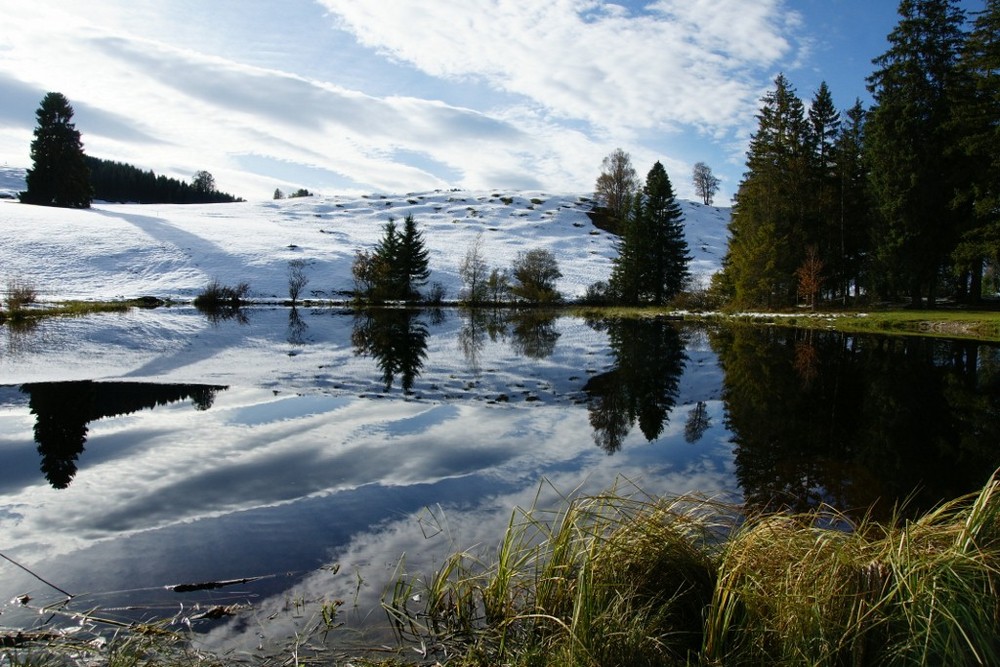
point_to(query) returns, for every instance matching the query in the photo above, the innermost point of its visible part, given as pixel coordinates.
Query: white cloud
(407, 96)
(676, 63)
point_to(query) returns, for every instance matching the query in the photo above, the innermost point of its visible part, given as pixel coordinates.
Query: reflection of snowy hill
(119, 250)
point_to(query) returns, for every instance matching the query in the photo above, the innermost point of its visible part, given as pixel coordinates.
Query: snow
(115, 251)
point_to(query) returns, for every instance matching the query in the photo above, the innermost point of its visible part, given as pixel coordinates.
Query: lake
(235, 473)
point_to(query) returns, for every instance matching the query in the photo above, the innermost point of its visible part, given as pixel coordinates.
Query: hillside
(172, 251)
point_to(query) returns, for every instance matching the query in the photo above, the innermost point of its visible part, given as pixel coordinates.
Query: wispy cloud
(671, 64)
(394, 96)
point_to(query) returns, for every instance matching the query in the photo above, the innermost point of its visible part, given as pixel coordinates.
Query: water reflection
(63, 411)
(297, 327)
(642, 386)
(396, 339)
(533, 333)
(858, 421)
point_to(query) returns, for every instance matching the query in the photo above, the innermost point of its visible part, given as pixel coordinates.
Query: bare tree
(473, 271)
(617, 183)
(705, 182)
(297, 278)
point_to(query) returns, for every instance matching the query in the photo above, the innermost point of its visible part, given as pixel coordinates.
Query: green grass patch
(980, 325)
(625, 579)
(76, 309)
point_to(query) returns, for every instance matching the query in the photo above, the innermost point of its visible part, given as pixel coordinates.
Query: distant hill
(11, 181)
(172, 251)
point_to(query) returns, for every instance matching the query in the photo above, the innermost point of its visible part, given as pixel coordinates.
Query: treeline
(897, 202)
(120, 182)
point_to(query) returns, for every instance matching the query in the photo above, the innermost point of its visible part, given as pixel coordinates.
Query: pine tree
(909, 141)
(853, 204)
(773, 204)
(822, 233)
(60, 176)
(666, 272)
(977, 116)
(652, 261)
(412, 261)
(387, 280)
(624, 285)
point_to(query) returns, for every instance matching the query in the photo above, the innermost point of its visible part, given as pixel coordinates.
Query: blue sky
(402, 96)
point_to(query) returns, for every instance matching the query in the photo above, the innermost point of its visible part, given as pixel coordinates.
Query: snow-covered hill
(173, 251)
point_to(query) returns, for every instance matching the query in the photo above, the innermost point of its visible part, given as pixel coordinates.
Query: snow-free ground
(113, 251)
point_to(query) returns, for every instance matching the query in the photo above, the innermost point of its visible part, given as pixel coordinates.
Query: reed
(629, 579)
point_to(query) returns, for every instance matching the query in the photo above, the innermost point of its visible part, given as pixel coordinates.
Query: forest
(120, 182)
(897, 202)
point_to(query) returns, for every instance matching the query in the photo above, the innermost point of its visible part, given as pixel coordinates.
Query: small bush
(19, 294)
(435, 295)
(218, 296)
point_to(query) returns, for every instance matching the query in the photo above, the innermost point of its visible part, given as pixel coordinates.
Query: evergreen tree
(909, 141)
(624, 285)
(387, 281)
(652, 261)
(412, 261)
(977, 116)
(822, 238)
(60, 176)
(773, 203)
(853, 204)
(666, 271)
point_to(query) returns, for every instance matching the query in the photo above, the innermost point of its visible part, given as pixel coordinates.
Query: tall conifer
(60, 176)
(768, 227)
(910, 138)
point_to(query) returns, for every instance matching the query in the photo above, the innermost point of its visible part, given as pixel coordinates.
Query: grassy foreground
(627, 579)
(616, 580)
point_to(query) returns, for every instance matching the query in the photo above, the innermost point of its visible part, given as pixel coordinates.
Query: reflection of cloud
(419, 542)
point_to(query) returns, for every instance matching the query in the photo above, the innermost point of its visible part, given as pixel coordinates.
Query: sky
(398, 96)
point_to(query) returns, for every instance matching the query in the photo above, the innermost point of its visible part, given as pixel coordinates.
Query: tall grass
(632, 580)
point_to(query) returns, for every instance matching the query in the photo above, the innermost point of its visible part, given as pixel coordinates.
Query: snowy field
(172, 251)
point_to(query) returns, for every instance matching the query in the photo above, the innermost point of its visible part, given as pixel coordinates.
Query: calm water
(319, 451)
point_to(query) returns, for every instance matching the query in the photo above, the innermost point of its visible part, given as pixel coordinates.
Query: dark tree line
(63, 175)
(120, 182)
(895, 202)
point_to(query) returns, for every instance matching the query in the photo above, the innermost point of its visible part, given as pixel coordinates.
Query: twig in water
(44, 581)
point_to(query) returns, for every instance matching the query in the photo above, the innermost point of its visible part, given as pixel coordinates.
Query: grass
(628, 579)
(950, 323)
(70, 309)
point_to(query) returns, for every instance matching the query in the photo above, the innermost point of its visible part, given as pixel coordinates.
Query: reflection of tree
(806, 360)
(533, 333)
(882, 419)
(297, 327)
(63, 409)
(477, 324)
(396, 339)
(642, 386)
(697, 423)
